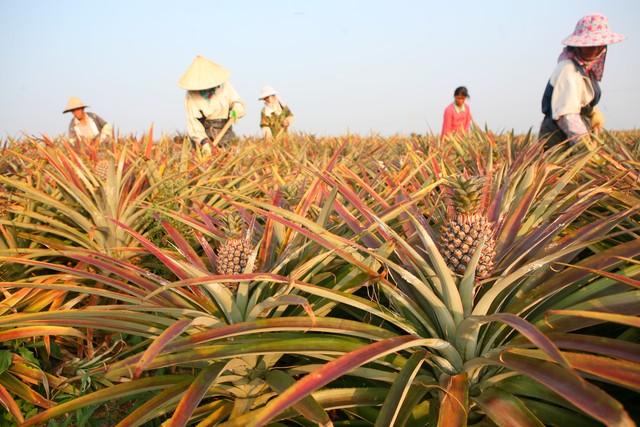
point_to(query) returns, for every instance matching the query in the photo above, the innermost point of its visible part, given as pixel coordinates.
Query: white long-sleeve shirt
(216, 107)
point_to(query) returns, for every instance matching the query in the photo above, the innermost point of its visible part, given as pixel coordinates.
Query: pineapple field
(349, 281)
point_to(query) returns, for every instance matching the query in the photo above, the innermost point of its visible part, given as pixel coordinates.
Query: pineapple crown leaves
(466, 194)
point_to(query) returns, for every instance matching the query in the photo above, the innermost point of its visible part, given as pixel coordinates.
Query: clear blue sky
(359, 66)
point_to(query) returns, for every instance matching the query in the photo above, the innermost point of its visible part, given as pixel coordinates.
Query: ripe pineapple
(460, 236)
(102, 168)
(234, 253)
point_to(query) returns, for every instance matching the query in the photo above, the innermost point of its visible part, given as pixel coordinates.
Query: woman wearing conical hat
(210, 102)
(276, 117)
(85, 126)
(569, 103)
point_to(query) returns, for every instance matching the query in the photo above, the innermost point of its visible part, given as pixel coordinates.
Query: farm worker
(457, 116)
(210, 102)
(569, 103)
(276, 117)
(86, 126)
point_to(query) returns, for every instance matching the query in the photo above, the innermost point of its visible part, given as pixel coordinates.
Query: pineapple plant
(466, 226)
(233, 254)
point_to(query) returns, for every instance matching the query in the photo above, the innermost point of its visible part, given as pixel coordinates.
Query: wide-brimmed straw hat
(593, 30)
(73, 104)
(266, 92)
(203, 74)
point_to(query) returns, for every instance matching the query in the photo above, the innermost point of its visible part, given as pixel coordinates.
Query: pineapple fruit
(233, 254)
(465, 228)
(102, 169)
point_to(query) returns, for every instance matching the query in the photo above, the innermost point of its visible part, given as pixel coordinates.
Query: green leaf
(5, 360)
(279, 381)
(399, 389)
(28, 356)
(587, 397)
(194, 394)
(111, 393)
(505, 409)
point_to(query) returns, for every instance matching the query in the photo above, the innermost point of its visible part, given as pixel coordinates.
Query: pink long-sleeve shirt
(456, 119)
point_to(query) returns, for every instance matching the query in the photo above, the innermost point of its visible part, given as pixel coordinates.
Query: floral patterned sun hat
(593, 30)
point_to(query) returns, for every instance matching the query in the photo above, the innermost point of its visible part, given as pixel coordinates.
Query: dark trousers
(553, 135)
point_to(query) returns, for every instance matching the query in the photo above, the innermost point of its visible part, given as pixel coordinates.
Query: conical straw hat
(203, 74)
(73, 104)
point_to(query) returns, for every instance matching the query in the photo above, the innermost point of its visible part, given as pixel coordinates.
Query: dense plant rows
(320, 281)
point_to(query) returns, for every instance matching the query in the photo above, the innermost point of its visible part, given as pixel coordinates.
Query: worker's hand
(597, 120)
(287, 121)
(587, 141)
(206, 150)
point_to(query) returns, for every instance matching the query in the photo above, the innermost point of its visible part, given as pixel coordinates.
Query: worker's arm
(235, 103)
(105, 128)
(572, 125)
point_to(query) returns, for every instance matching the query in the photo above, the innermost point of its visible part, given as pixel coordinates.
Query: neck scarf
(593, 68)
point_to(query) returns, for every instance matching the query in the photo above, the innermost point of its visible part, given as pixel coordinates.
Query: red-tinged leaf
(194, 394)
(308, 407)
(10, 404)
(149, 145)
(208, 250)
(454, 405)
(505, 409)
(567, 277)
(111, 393)
(306, 202)
(20, 389)
(184, 247)
(330, 372)
(620, 372)
(320, 240)
(614, 276)
(37, 331)
(217, 411)
(209, 225)
(622, 319)
(81, 273)
(355, 177)
(468, 327)
(155, 251)
(513, 223)
(355, 226)
(593, 344)
(156, 403)
(540, 236)
(159, 343)
(278, 324)
(585, 396)
(126, 272)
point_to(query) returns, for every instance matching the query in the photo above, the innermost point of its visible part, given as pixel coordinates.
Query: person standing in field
(211, 104)
(457, 116)
(86, 126)
(570, 99)
(276, 117)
